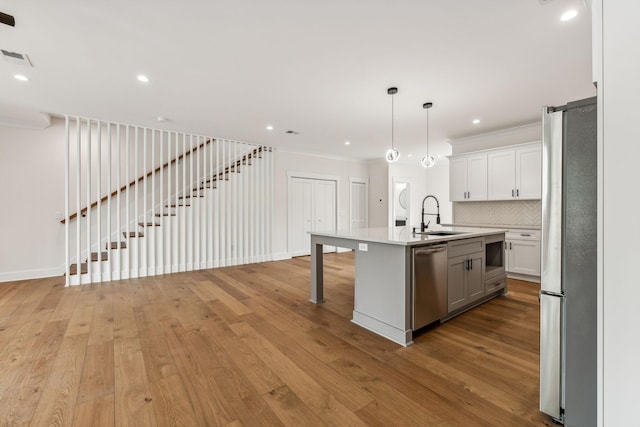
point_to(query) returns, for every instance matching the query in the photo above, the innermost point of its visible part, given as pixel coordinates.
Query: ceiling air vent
(292, 132)
(16, 58)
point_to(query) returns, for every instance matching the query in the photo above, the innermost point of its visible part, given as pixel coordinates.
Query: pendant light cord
(427, 132)
(392, 147)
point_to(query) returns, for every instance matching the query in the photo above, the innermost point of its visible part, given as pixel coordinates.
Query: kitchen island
(385, 299)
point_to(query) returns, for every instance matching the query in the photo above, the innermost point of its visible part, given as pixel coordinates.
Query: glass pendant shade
(392, 155)
(428, 161)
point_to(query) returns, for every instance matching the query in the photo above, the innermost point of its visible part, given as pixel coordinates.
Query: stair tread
(148, 224)
(133, 234)
(165, 214)
(73, 269)
(104, 256)
(189, 197)
(114, 245)
(176, 206)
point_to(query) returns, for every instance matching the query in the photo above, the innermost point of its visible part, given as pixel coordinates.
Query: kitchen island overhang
(383, 283)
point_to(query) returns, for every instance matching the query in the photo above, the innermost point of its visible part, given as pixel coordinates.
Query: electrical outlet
(363, 247)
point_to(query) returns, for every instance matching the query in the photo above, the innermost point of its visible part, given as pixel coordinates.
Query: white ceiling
(228, 68)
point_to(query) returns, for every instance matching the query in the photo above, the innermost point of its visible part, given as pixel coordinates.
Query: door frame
(358, 180)
(392, 193)
(314, 176)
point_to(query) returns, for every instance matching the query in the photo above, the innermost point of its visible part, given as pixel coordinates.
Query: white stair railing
(150, 201)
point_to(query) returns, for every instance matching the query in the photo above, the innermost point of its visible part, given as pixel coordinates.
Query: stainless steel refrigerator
(568, 369)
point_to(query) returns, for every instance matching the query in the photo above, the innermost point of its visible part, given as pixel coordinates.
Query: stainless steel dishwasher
(429, 282)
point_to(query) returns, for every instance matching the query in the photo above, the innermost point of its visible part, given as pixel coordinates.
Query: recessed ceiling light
(347, 143)
(269, 127)
(409, 155)
(162, 119)
(476, 121)
(142, 78)
(21, 77)
(569, 15)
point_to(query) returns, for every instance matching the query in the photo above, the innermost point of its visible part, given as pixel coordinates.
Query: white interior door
(312, 207)
(359, 202)
(300, 221)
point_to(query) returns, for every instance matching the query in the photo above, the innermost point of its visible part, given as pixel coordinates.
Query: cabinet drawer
(523, 235)
(465, 247)
(494, 285)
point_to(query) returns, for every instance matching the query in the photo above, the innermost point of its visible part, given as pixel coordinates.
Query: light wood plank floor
(243, 346)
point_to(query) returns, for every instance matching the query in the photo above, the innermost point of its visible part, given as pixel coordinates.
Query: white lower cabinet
(522, 252)
(465, 273)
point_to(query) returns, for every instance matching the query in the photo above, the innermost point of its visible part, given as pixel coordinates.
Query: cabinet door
(457, 180)
(324, 212)
(529, 173)
(475, 277)
(524, 257)
(502, 175)
(456, 283)
(477, 177)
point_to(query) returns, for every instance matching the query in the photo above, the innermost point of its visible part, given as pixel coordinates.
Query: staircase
(195, 202)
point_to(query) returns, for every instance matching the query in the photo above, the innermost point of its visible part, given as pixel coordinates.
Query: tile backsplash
(520, 212)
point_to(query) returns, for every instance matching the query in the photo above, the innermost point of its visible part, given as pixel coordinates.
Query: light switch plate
(363, 247)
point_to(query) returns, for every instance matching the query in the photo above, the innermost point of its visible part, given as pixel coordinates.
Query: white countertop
(405, 237)
(497, 226)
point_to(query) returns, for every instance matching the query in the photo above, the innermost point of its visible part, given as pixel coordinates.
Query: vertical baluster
(210, 253)
(199, 182)
(88, 201)
(183, 238)
(234, 205)
(78, 199)
(191, 231)
(136, 202)
(67, 154)
(98, 197)
(118, 239)
(227, 204)
(252, 187)
(160, 259)
(216, 210)
(272, 194)
(169, 245)
(176, 241)
(127, 223)
(262, 199)
(109, 186)
(147, 230)
(222, 205)
(153, 206)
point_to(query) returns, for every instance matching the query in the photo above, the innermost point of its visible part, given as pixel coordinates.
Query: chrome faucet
(422, 225)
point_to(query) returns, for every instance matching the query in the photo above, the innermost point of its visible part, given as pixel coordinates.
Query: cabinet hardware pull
(511, 193)
(518, 193)
(525, 235)
(509, 245)
(471, 264)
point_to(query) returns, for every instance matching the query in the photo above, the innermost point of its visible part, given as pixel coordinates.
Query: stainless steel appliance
(568, 389)
(429, 279)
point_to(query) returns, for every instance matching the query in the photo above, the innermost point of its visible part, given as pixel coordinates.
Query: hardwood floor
(243, 346)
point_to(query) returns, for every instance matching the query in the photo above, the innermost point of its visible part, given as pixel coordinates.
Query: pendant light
(428, 160)
(392, 153)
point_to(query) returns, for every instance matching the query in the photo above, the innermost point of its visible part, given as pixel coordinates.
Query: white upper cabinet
(468, 178)
(515, 173)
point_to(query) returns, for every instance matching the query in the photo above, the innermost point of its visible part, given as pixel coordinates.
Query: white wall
(32, 192)
(286, 162)
(378, 172)
(619, 252)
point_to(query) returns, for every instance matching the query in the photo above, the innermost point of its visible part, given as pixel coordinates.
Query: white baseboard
(281, 256)
(525, 277)
(12, 276)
